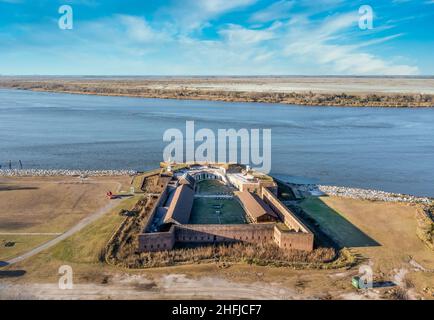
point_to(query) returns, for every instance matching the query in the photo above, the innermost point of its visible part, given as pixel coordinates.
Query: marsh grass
(266, 255)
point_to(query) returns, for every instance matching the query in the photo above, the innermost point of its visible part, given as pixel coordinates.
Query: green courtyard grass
(212, 187)
(204, 212)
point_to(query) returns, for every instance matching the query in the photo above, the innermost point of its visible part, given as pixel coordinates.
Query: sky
(217, 37)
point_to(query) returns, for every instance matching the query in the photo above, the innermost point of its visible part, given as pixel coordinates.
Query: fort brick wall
(294, 236)
(251, 233)
(160, 201)
(287, 239)
(157, 241)
(209, 234)
(284, 213)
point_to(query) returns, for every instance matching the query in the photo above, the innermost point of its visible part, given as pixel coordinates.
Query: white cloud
(195, 14)
(239, 35)
(278, 10)
(319, 44)
(216, 7)
(133, 45)
(138, 29)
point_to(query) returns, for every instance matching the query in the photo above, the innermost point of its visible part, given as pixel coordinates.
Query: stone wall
(286, 239)
(161, 199)
(284, 213)
(251, 233)
(209, 234)
(157, 241)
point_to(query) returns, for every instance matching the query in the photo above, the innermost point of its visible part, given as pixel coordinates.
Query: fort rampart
(215, 234)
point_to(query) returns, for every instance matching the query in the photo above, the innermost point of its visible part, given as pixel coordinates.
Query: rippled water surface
(388, 149)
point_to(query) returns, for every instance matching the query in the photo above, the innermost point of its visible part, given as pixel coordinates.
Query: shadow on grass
(4, 187)
(331, 222)
(384, 284)
(11, 273)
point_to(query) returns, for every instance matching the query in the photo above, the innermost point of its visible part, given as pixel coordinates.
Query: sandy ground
(197, 282)
(303, 84)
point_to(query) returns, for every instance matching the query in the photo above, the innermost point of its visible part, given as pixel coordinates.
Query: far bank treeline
(146, 89)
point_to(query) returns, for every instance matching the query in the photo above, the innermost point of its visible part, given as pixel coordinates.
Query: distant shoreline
(309, 91)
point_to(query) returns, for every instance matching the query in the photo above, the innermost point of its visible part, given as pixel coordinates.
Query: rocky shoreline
(311, 189)
(365, 194)
(61, 172)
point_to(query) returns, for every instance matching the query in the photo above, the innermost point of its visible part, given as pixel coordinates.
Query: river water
(380, 148)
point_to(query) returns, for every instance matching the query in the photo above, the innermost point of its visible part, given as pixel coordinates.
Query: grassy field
(21, 244)
(336, 224)
(85, 246)
(81, 251)
(392, 227)
(204, 212)
(52, 204)
(33, 205)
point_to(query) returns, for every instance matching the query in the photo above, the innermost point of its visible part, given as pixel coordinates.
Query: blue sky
(217, 37)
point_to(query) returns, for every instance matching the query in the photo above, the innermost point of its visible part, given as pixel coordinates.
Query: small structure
(188, 180)
(257, 210)
(180, 207)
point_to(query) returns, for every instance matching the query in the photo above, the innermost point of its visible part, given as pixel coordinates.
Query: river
(379, 148)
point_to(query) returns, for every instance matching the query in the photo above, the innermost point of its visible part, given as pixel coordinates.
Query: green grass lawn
(212, 187)
(204, 212)
(21, 244)
(335, 224)
(86, 245)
